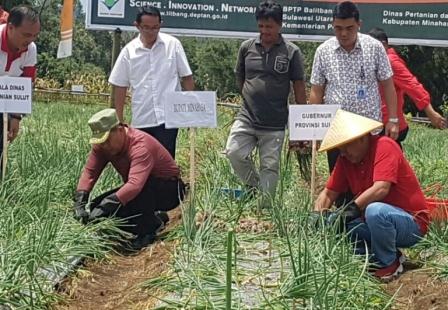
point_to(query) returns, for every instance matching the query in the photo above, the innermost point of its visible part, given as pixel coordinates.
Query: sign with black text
(423, 22)
(15, 95)
(310, 121)
(190, 109)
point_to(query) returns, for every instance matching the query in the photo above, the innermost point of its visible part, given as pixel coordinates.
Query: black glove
(350, 212)
(79, 207)
(340, 217)
(108, 206)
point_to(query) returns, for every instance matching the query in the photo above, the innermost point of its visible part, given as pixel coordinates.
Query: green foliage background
(212, 60)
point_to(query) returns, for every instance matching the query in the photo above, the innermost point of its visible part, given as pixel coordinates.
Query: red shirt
(405, 84)
(384, 162)
(143, 156)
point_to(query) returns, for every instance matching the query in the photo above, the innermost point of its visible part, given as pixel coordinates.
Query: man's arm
(406, 81)
(187, 83)
(119, 101)
(240, 68)
(376, 192)
(325, 199)
(390, 95)
(317, 94)
(92, 171)
(299, 91)
(119, 78)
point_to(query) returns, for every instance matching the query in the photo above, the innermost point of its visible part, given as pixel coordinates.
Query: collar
(337, 45)
(4, 44)
(157, 42)
(279, 40)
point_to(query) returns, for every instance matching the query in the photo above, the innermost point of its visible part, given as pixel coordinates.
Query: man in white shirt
(151, 65)
(18, 54)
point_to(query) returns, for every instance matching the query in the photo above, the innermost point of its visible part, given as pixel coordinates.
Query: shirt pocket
(139, 67)
(170, 67)
(281, 64)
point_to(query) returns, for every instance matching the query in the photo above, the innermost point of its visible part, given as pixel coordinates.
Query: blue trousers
(385, 229)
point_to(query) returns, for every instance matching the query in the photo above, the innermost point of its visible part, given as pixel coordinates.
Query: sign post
(310, 122)
(15, 97)
(191, 109)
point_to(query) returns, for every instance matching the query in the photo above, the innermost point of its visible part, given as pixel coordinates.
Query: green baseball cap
(101, 124)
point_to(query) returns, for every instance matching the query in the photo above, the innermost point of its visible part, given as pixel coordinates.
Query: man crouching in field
(151, 178)
(389, 210)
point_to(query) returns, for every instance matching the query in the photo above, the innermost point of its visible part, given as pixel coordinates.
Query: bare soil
(115, 283)
(418, 289)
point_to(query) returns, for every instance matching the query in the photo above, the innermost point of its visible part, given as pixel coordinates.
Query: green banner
(406, 22)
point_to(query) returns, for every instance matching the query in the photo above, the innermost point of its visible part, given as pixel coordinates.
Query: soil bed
(115, 284)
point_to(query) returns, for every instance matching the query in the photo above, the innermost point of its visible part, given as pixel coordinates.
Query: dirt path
(115, 284)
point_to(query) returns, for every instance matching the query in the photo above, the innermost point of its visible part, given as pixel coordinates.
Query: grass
(37, 232)
(274, 260)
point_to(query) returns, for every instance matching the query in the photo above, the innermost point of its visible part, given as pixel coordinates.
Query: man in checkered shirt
(347, 69)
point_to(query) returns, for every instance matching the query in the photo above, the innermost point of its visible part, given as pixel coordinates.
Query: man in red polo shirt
(391, 207)
(18, 55)
(151, 178)
(406, 84)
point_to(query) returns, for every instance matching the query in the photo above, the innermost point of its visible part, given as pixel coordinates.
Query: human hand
(14, 126)
(303, 147)
(80, 201)
(437, 120)
(349, 212)
(106, 207)
(391, 130)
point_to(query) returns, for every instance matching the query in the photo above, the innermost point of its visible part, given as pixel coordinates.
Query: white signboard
(77, 89)
(310, 122)
(190, 109)
(15, 95)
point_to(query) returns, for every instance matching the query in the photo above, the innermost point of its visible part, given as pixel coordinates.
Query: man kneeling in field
(151, 178)
(389, 210)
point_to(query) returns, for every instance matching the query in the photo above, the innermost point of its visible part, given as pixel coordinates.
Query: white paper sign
(77, 88)
(310, 122)
(15, 95)
(190, 109)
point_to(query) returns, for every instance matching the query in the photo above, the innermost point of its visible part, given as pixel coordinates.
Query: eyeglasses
(145, 28)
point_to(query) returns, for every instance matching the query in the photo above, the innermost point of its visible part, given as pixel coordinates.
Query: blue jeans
(385, 229)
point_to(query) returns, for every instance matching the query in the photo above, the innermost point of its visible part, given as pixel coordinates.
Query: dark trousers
(156, 195)
(166, 137)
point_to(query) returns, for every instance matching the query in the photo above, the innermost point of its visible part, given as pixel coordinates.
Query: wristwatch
(393, 120)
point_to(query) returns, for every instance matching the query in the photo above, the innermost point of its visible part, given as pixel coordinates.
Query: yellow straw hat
(346, 127)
